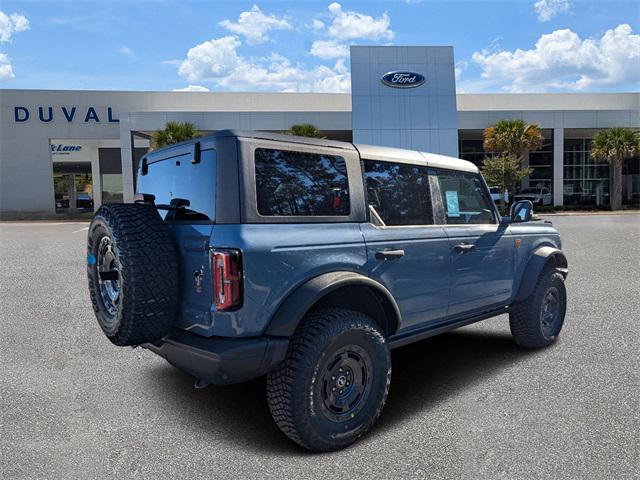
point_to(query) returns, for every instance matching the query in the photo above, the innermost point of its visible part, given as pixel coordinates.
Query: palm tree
(510, 140)
(614, 146)
(174, 132)
(513, 137)
(305, 130)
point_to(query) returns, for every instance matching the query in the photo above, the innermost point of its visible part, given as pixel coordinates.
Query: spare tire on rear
(133, 273)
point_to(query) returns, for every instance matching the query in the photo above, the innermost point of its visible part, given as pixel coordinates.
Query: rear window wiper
(175, 204)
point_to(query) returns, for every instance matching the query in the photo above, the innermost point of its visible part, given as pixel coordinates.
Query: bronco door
(481, 249)
(406, 252)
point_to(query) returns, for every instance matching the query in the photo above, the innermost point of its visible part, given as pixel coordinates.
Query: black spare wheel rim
(550, 312)
(346, 383)
(108, 276)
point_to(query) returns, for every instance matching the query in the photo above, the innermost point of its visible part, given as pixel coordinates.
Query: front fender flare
(289, 314)
(537, 262)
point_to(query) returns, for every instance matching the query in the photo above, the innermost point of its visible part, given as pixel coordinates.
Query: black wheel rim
(550, 312)
(345, 383)
(108, 276)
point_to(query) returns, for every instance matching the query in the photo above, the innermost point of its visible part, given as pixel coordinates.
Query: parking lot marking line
(81, 230)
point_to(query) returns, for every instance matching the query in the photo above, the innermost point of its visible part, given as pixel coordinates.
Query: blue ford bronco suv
(306, 260)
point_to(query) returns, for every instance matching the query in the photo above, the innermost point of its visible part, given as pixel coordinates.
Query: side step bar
(404, 338)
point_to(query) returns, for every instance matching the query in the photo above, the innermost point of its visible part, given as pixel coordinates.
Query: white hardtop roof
(400, 155)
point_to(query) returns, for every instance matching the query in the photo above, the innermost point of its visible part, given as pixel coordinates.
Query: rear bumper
(219, 360)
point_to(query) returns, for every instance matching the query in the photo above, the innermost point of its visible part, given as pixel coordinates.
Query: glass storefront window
(111, 175)
(586, 180)
(631, 182)
(112, 191)
(471, 149)
(73, 187)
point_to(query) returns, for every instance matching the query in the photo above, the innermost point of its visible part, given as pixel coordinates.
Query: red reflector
(227, 279)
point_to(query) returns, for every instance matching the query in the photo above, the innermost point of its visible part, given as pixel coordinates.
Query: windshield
(531, 190)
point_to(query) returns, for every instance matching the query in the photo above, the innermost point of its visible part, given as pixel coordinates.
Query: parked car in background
(496, 195)
(536, 195)
(84, 200)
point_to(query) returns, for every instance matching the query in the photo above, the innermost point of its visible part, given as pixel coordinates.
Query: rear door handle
(389, 254)
(464, 247)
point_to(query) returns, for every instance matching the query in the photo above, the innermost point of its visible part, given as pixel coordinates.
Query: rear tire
(536, 321)
(334, 381)
(132, 270)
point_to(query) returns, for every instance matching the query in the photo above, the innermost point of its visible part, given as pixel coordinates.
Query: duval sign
(68, 113)
(402, 79)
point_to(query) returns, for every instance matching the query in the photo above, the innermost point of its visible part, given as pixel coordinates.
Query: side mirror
(521, 211)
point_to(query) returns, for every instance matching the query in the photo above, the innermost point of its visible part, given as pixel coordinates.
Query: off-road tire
(526, 317)
(141, 246)
(295, 387)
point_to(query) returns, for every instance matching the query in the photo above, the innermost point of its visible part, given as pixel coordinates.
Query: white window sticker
(453, 207)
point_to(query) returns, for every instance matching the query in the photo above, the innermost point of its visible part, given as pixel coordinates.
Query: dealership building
(67, 152)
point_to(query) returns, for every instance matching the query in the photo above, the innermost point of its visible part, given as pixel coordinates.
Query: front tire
(536, 321)
(334, 381)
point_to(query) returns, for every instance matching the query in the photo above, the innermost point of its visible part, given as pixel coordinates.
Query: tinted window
(177, 178)
(301, 184)
(464, 198)
(399, 193)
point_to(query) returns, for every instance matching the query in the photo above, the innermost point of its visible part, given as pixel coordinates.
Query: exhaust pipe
(201, 384)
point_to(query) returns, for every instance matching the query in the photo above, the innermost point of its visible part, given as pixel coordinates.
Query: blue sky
(514, 46)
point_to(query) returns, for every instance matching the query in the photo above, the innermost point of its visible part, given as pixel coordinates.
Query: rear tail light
(227, 278)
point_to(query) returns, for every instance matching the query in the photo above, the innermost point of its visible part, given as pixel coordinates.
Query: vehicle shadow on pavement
(429, 372)
(424, 374)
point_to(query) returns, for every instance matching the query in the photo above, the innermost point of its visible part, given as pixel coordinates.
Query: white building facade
(66, 152)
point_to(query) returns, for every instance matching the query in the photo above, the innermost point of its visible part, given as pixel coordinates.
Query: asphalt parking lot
(469, 404)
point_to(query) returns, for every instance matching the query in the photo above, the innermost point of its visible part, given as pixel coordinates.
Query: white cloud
(561, 60)
(125, 51)
(254, 25)
(6, 70)
(10, 24)
(210, 59)
(218, 61)
(327, 49)
(192, 88)
(547, 9)
(345, 27)
(354, 25)
(460, 67)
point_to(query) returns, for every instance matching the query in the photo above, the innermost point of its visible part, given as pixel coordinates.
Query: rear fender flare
(289, 314)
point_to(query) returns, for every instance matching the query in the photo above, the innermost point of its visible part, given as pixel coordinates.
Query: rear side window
(464, 198)
(399, 193)
(301, 184)
(176, 179)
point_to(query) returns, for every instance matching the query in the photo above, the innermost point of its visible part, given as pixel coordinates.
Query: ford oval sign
(403, 79)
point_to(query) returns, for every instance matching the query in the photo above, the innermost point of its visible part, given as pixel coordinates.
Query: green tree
(504, 171)
(510, 140)
(614, 146)
(513, 137)
(305, 130)
(174, 132)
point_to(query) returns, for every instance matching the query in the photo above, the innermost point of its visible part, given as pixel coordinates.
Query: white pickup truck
(537, 195)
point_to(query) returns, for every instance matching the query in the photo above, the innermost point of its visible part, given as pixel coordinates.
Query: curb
(570, 214)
